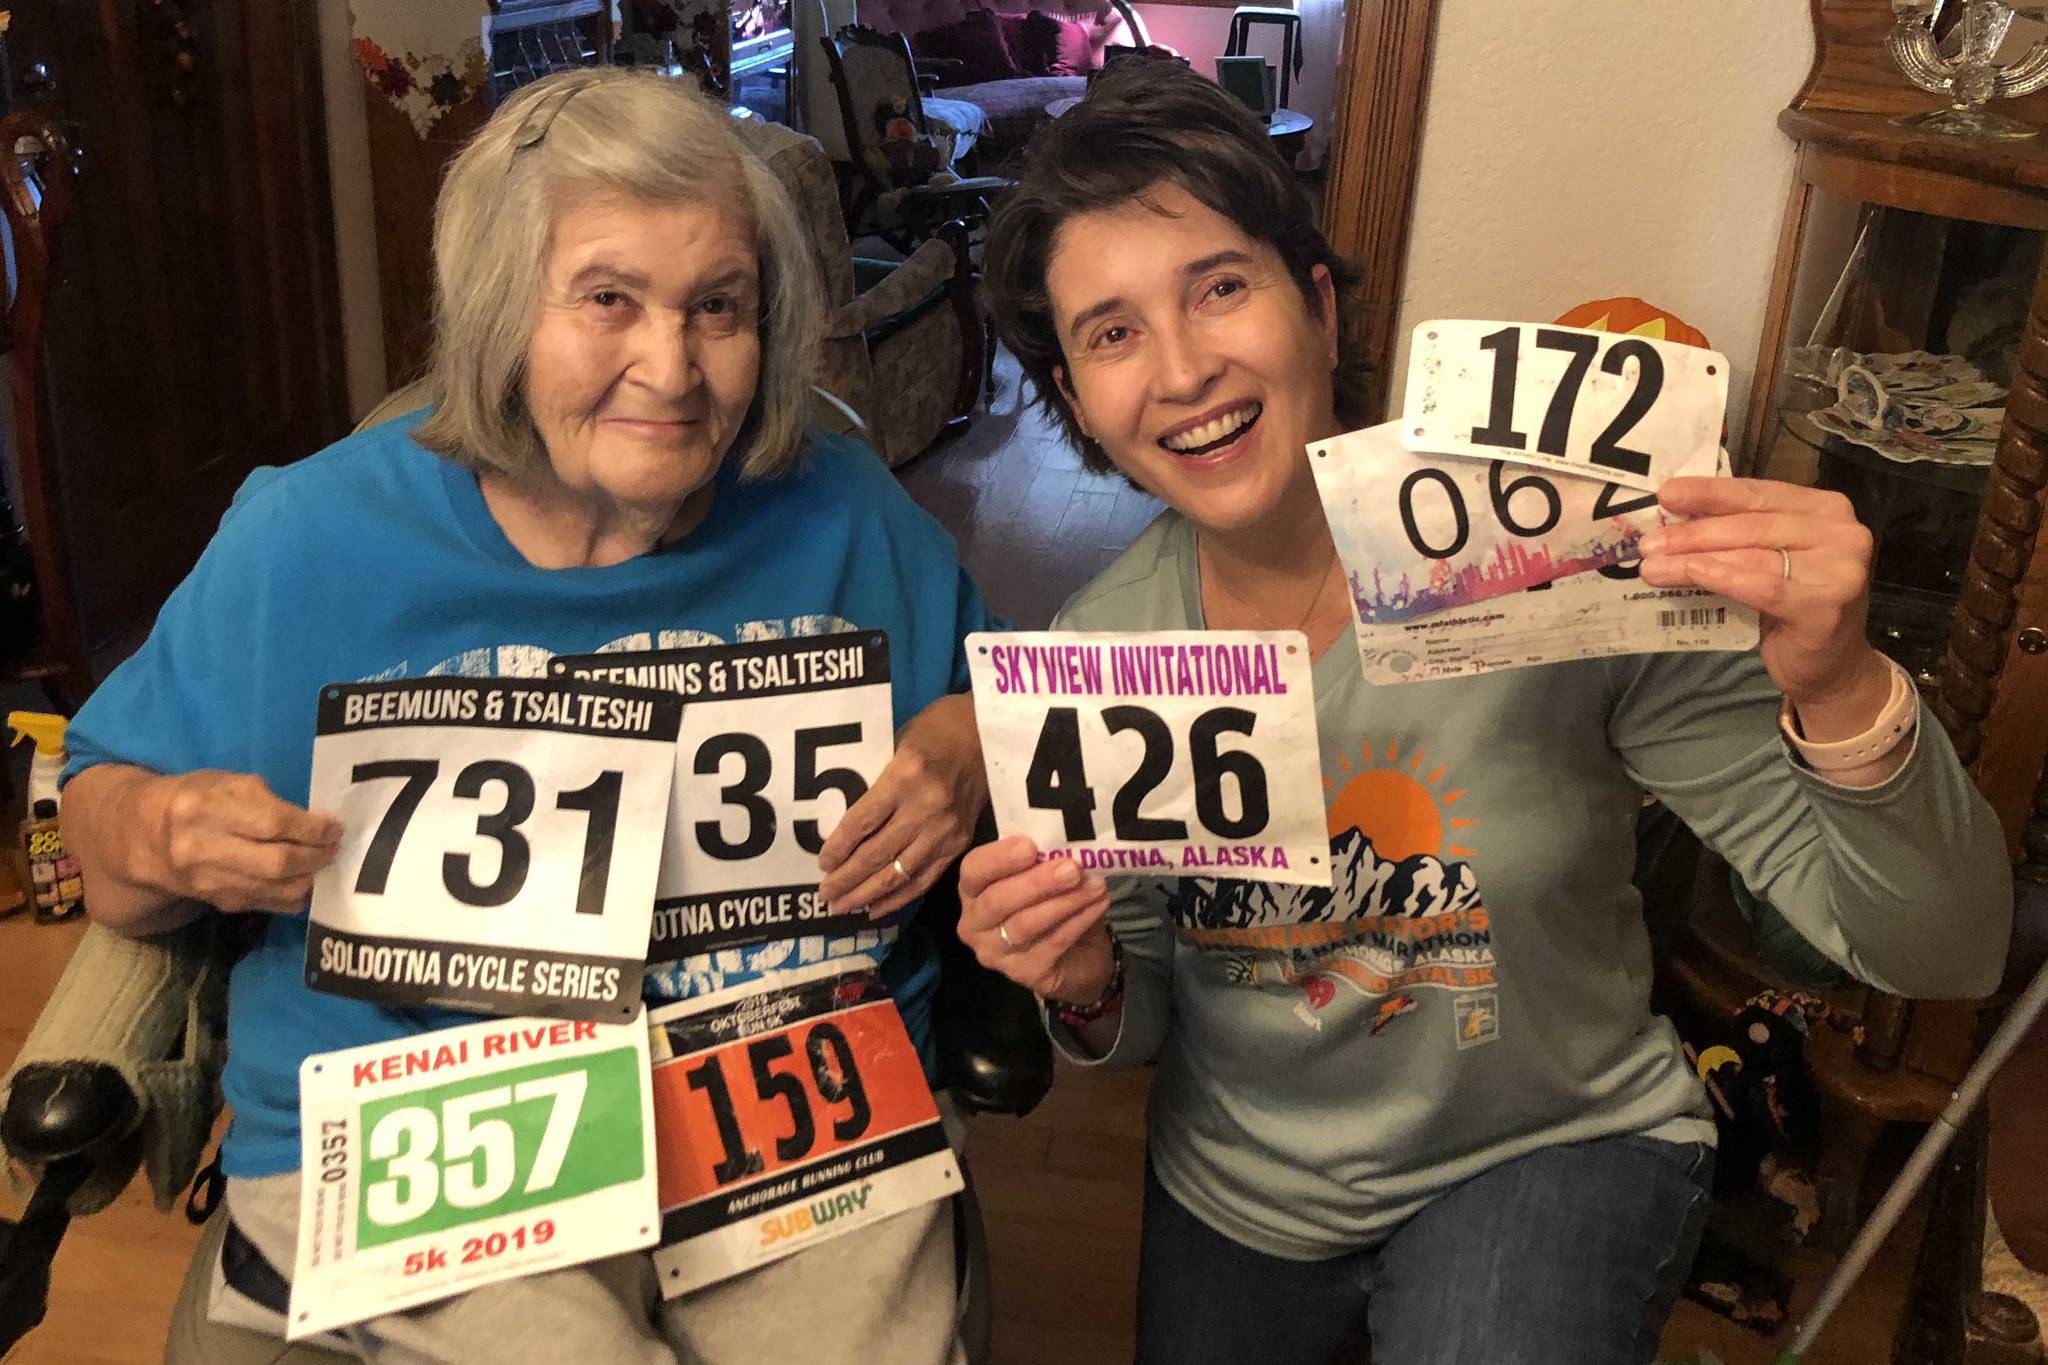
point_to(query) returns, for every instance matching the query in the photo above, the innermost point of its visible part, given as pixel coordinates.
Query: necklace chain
(1321, 587)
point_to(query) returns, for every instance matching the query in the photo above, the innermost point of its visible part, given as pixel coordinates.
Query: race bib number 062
(1166, 753)
(779, 738)
(1625, 409)
(448, 1160)
(500, 839)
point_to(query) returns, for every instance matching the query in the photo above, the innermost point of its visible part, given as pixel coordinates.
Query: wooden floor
(1060, 1189)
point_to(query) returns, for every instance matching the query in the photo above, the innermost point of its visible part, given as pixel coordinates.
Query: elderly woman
(615, 456)
(1510, 1174)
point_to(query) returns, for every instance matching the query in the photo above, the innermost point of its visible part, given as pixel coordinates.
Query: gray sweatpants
(882, 1292)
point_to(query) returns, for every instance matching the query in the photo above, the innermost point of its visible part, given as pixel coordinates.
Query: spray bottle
(53, 873)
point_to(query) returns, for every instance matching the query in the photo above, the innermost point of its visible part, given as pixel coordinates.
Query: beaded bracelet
(1077, 1016)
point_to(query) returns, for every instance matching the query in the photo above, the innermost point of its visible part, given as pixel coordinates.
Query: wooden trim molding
(1989, 684)
(33, 214)
(1375, 147)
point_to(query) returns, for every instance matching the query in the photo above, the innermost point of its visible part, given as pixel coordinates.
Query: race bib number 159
(1166, 753)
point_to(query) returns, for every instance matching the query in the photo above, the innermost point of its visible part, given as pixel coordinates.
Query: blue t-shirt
(378, 559)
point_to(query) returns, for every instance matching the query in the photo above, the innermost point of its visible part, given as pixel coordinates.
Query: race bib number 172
(500, 839)
(1166, 753)
(1623, 409)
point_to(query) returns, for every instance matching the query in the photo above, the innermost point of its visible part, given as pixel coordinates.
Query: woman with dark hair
(1513, 1167)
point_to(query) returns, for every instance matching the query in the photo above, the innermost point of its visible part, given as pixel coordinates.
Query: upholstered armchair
(906, 348)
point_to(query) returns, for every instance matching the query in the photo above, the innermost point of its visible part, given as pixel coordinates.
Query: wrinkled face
(1192, 357)
(645, 357)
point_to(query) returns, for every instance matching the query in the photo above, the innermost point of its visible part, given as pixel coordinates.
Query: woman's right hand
(1038, 923)
(225, 839)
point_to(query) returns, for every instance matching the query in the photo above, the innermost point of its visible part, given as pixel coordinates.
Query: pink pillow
(976, 41)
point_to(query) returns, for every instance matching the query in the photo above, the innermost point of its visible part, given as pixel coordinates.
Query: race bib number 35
(449, 1160)
(1625, 409)
(778, 738)
(500, 840)
(787, 1116)
(1166, 753)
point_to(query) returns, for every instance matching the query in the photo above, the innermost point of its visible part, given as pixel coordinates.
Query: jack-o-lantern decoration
(1633, 317)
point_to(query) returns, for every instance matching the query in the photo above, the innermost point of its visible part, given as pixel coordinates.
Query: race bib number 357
(1165, 753)
(449, 1160)
(500, 839)
(779, 737)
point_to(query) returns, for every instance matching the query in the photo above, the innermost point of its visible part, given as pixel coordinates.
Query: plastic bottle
(54, 878)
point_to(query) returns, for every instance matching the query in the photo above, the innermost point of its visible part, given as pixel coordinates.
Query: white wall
(1578, 149)
(355, 229)
(1197, 32)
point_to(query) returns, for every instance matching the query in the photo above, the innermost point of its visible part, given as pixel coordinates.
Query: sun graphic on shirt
(1397, 800)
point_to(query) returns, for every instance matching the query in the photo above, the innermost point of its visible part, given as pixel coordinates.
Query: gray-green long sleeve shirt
(1477, 983)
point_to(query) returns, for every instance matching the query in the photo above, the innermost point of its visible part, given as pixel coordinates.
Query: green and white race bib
(449, 1160)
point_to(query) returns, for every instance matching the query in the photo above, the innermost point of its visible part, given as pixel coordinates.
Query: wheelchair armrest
(993, 1052)
(994, 1055)
(65, 1109)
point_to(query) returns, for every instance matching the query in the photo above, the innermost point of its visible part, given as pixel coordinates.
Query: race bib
(1459, 567)
(500, 840)
(786, 1117)
(1430, 533)
(1165, 753)
(1623, 409)
(778, 739)
(449, 1160)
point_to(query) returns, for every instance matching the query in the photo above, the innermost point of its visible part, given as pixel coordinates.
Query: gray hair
(570, 134)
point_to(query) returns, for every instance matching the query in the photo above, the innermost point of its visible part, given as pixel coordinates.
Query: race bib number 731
(500, 839)
(1166, 753)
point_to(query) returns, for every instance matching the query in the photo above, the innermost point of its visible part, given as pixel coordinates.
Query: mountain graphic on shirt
(1364, 884)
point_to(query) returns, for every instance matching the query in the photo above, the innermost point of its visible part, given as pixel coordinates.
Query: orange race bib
(783, 1118)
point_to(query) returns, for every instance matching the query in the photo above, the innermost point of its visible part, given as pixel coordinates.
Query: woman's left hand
(916, 820)
(1800, 557)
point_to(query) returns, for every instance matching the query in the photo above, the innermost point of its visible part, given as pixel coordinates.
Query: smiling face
(1192, 357)
(644, 360)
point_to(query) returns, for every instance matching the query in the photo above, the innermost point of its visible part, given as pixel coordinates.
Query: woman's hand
(1800, 557)
(917, 818)
(155, 847)
(224, 839)
(1038, 923)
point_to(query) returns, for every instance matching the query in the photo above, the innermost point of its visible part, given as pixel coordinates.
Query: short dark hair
(1142, 124)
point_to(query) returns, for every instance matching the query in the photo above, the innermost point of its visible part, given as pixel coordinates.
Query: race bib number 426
(779, 737)
(449, 1160)
(500, 839)
(1164, 753)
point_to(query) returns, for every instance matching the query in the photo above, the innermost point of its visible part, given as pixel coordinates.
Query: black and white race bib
(500, 841)
(779, 738)
(1164, 753)
(1618, 408)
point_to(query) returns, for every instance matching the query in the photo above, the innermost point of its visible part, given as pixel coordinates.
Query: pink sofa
(1016, 105)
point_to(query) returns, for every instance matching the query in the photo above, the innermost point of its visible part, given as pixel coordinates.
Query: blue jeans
(1572, 1255)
